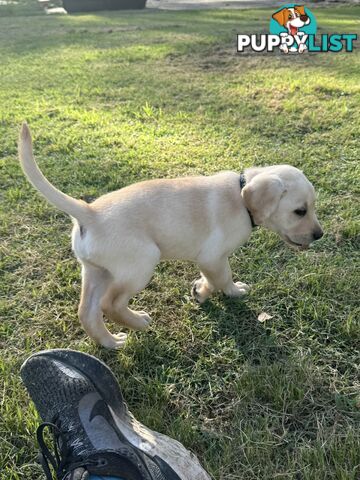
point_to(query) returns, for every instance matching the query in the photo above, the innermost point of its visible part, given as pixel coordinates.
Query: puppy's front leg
(216, 275)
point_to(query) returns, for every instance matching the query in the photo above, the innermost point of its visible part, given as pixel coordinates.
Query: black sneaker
(80, 401)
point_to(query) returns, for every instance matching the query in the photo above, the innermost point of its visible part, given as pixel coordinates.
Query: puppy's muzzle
(318, 234)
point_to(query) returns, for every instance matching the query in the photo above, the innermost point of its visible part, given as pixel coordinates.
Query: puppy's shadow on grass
(218, 326)
(233, 318)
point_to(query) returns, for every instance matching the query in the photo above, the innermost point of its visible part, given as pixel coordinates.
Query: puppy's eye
(301, 212)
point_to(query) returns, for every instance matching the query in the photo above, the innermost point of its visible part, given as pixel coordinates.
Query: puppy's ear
(262, 196)
(281, 17)
(300, 9)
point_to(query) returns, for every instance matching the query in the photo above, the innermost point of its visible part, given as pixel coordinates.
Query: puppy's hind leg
(95, 282)
(115, 306)
(201, 289)
(129, 281)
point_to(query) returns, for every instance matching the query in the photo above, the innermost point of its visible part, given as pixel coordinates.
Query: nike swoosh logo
(98, 423)
(101, 408)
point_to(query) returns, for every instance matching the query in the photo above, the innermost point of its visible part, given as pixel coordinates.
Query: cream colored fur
(121, 237)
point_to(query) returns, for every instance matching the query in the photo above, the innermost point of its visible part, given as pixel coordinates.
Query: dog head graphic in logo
(291, 20)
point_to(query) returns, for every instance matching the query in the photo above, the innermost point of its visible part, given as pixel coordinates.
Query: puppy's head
(282, 199)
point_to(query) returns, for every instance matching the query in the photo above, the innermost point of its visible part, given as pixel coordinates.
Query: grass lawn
(113, 98)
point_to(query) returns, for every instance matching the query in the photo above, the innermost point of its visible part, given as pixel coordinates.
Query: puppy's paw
(237, 289)
(114, 342)
(242, 286)
(200, 290)
(129, 318)
(143, 321)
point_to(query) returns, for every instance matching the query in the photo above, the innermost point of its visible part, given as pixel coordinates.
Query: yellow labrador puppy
(123, 235)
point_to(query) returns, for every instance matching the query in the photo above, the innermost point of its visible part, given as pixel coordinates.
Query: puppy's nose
(304, 18)
(318, 234)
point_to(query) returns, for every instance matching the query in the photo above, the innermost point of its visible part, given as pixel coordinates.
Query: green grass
(120, 97)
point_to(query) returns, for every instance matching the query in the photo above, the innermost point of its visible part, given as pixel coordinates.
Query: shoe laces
(60, 460)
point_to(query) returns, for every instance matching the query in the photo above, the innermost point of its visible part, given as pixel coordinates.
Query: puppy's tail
(75, 208)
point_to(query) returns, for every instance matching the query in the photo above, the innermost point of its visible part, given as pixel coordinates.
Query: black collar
(242, 182)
